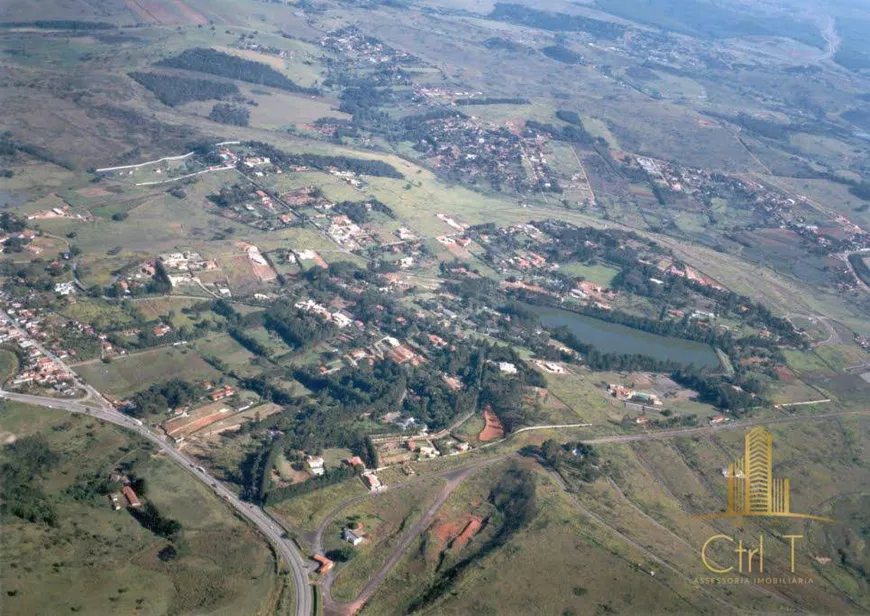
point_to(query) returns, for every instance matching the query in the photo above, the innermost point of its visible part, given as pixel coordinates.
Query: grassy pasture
(127, 375)
(305, 512)
(99, 561)
(384, 518)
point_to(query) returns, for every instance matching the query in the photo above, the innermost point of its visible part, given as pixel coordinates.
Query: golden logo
(752, 488)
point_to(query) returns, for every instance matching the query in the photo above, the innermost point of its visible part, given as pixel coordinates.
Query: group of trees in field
(162, 396)
(360, 211)
(221, 64)
(555, 22)
(573, 133)
(572, 459)
(26, 463)
(227, 113)
(150, 517)
(296, 328)
(175, 90)
(229, 196)
(562, 54)
(60, 24)
(249, 342)
(323, 162)
(330, 477)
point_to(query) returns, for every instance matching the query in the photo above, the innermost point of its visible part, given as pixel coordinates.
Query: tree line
(555, 22)
(323, 162)
(175, 90)
(215, 62)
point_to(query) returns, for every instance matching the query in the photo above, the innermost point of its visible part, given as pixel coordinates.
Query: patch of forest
(562, 54)
(222, 64)
(226, 113)
(60, 24)
(555, 22)
(174, 90)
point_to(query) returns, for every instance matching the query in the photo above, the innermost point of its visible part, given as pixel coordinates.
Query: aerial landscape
(385, 307)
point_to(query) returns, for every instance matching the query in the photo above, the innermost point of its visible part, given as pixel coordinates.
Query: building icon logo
(752, 488)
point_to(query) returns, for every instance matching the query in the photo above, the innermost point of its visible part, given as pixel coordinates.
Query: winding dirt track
(456, 476)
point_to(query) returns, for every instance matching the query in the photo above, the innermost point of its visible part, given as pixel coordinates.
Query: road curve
(284, 547)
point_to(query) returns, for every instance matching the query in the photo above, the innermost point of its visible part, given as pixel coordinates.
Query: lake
(613, 338)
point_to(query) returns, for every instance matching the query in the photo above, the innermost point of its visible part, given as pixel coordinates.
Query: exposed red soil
(785, 375)
(471, 529)
(443, 531)
(493, 429)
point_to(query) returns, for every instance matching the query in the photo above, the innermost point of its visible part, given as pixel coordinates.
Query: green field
(383, 518)
(126, 375)
(599, 274)
(97, 561)
(306, 512)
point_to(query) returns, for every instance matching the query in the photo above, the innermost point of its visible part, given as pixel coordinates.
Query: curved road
(95, 405)
(303, 592)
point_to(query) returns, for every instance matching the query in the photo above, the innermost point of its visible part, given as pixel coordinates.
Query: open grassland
(97, 561)
(384, 518)
(306, 512)
(228, 351)
(126, 375)
(517, 577)
(436, 549)
(98, 313)
(581, 392)
(641, 519)
(599, 274)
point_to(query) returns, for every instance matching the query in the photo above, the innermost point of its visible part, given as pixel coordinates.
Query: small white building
(315, 465)
(507, 367)
(352, 537)
(65, 288)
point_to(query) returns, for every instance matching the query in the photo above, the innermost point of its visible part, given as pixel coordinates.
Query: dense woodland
(160, 397)
(214, 62)
(26, 462)
(562, 54)
(227, 113)
(174, 90)
(555, 22)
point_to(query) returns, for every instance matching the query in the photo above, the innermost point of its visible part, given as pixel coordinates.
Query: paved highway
(303, 592)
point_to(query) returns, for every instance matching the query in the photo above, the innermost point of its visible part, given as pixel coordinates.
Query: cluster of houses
(186, 421)
(38, 369)
(339, 318)
(345, 232)
(360, 51)
(788, 212)
(593, 294)
(181, 267)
